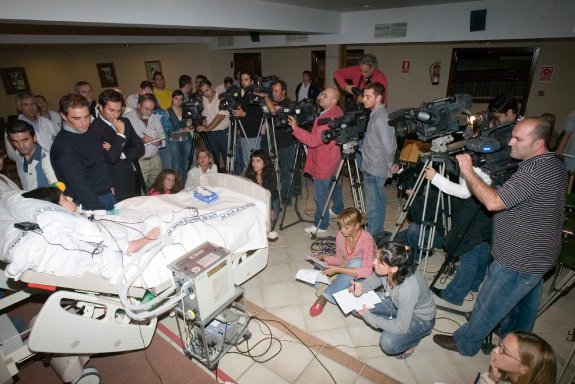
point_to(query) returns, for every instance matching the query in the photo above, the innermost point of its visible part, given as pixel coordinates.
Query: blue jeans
(181, 157)
(285, 157)
(108, 200)
(410, 236)
(507, 297)
(166, 156)
(468, 275)
(342, 281)
(248, 144)
(393, 344)
(321, 192)
(218, 142)
(374, 188)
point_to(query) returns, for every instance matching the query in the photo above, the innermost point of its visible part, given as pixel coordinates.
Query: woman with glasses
(407, 311)
(521, 358)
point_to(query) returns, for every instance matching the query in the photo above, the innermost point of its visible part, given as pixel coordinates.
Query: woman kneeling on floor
(354, 251)
(407, 311)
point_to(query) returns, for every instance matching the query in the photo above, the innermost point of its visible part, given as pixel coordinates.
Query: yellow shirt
(164, 97)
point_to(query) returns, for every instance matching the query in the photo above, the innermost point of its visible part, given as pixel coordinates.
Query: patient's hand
(136, 245)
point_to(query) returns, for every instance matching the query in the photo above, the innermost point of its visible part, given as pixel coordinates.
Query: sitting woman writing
(354, 252)
(521, 358)
(407, 312)
(56, 196)
(261, 170)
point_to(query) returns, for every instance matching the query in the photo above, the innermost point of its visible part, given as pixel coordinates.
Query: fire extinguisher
(434, 71)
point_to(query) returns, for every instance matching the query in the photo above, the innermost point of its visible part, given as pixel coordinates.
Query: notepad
(311, 276)
(317, 262)
(348, 302)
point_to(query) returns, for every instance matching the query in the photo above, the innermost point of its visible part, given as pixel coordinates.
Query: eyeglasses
(504, 352)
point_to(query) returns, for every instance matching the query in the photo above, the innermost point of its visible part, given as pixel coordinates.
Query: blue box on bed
(206, 195)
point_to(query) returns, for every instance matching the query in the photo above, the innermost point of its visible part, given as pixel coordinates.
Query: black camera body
(192, 110)
(351, 126)
(230, 99)
(304, 112)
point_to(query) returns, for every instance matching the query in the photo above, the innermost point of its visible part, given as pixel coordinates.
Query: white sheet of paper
(348, 302)
(316, 261)
(311, 276)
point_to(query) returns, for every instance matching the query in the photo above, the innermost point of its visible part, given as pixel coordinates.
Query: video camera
(264, 86)
(230, 99)
(192, 110)
(432, 119)
(304, 112)
(349, 127)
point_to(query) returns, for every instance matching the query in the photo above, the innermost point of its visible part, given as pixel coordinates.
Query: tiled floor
(275, 294)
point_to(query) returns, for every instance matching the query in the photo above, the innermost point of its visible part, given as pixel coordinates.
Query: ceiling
(362, 5)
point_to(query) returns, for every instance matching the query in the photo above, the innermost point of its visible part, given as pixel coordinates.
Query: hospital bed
(93, 312)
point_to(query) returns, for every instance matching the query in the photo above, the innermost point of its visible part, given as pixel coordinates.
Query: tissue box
(205, 195)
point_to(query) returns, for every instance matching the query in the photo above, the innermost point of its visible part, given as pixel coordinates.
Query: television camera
(433, 119)
(350, 127)
(264, 86)
(230, 99)
(192, 110)
(304, 112)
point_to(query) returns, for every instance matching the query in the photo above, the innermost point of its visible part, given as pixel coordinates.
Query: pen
(477, 378)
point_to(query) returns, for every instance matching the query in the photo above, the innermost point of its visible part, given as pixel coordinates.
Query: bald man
(322, 159)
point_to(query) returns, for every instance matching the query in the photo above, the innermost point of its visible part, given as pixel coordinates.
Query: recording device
(433, 119)
(356, 91)
(192, 110)
(350, 127)
(304, 112)
(26, 226)
(264, 86)
(230, 99)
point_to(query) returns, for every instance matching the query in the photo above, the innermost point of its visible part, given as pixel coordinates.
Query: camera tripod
(428, 227)
(296, 171)
(232, 143)
(267, 125)
(348, 152)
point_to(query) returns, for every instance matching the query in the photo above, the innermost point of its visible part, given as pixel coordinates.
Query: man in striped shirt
(526, 237)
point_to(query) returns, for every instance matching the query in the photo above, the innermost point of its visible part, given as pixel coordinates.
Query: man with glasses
(149, 128)
(527, 225)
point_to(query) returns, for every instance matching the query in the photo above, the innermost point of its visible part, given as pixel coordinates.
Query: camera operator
(285, 141)
(322, 159)
(378, 153)
(468, 239)
(527, 225)
(216, 123)
(356, 78)
(503, 110)
(250, 116)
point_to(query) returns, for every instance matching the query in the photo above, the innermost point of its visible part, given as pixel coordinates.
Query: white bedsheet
(235, 221)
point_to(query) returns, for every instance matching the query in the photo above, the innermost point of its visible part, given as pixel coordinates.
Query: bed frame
(99, 324)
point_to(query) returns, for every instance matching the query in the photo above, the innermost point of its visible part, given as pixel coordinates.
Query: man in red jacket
(322, 160)
(358, 76)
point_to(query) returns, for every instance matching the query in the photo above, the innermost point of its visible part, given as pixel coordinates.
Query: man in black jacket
(121, 145)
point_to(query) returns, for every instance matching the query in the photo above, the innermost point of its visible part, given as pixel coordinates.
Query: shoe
(314, 229)
(316, 309)
(332, 214)
(446, 341)
(272, 236)
(436, 291)
(405, 355)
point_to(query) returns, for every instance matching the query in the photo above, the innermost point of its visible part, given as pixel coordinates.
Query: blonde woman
(205, 164)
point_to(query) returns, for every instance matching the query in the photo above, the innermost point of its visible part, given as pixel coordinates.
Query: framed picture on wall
(14, 80)
(107, 74)
(152, 67)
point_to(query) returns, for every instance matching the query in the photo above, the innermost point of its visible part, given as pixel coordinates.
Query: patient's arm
(136, 245)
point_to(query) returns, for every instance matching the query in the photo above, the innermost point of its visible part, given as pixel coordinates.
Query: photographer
(216, 123)
(322, 159)
(378, 153)
(250, 116)
(359, 76)
(527, 225)
(286, 143)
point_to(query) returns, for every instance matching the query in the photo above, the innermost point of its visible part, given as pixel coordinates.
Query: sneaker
(314, 229)
(272, 236)
(332, 214)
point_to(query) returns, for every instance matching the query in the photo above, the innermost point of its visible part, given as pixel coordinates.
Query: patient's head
(52, 195)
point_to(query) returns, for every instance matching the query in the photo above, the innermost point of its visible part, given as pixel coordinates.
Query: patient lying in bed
(56, 196)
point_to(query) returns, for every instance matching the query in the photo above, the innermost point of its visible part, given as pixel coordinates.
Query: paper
(316, 261)
(348, 302)
(311, 276)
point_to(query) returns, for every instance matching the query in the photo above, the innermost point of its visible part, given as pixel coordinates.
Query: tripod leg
(231, 155)
(295, 180)
(326, 205)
